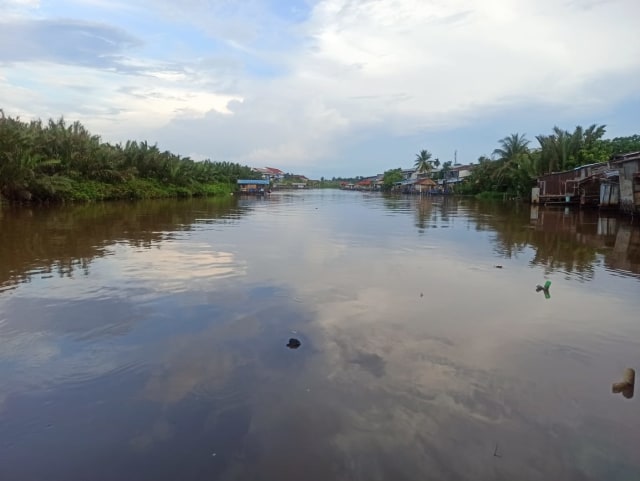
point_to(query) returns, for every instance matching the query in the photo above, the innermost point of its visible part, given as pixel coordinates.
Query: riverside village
(612, 185)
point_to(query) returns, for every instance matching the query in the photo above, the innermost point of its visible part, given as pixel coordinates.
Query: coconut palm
(511, 147)
(513, 170)
(423, 162)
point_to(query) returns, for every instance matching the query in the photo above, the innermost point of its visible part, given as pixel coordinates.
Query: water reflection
(38, 242)
(572, 242)
(167, 357)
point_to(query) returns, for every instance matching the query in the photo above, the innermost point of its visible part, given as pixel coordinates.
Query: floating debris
(627, 385)
(495, 452)
(498, 267)
(421, 294)
(544, 289)
(294, 343)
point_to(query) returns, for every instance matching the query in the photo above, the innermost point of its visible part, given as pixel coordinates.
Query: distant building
(270, 173)
(456, 174)
(253, 186)
(364, 184)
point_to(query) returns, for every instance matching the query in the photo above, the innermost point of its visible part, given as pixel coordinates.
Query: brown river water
(147, 341)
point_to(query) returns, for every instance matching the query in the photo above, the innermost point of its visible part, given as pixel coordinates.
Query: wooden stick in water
(627, 385)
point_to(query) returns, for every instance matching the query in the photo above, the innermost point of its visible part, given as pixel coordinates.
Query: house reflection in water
(556, 231)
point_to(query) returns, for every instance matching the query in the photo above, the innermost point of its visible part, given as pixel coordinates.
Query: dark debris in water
(294, 343)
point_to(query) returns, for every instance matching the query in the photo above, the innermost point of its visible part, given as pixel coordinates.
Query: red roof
(273, 170)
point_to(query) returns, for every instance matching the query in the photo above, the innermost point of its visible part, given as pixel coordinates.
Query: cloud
(65, 41)
(12, 6)
(445, 60)
(263, 84)
(114, 106)
(414, 66)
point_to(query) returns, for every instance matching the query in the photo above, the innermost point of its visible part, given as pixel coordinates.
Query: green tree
(56, 161)
(391, 177)
(513, 172)
(562, 150)
(621, 145)
(482, 178)
(423, 162)
(511, 147)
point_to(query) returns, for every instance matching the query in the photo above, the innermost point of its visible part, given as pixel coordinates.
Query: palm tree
(423, 162)
(548, 161)
(513, 166)
(565, 150)
(593, 134)
(563, 143)
(511, 147)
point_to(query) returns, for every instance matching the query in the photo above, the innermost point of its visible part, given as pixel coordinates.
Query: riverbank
(57, 162)
(68, 190)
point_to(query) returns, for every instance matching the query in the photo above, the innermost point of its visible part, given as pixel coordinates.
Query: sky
(323, 87)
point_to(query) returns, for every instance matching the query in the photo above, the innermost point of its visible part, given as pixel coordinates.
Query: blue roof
(253, 182)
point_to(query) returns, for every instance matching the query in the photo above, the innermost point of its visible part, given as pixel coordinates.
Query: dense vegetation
(336, 182)
(515, 165)
(56, 162)
(390, 178)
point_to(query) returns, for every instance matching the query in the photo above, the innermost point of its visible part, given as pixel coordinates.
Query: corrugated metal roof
(617, 159)
(253, 182)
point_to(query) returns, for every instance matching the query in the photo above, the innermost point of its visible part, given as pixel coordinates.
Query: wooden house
(253, 186)
(576, 186)
(628, 166)
(425, 185)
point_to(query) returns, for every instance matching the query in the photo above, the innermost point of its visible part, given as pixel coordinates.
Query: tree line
(56, 161)
(515, 163)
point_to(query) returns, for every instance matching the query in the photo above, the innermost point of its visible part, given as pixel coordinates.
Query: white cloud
(455, 57)
(11, 4)
(411, 66)
(115, 106)
(17, 9)
(401, 67)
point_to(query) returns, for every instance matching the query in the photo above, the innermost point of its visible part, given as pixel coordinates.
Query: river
(148, 341)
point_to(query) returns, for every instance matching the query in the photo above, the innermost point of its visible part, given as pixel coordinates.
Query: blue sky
(323, 87)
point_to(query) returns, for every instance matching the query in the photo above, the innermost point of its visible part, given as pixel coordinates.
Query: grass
(490, 195)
